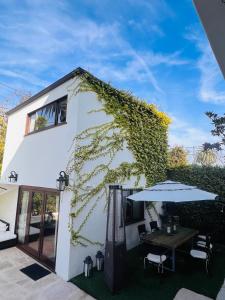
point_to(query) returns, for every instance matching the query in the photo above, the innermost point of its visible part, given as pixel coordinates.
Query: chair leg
(162, 269)
(207, 266)
(158, 268)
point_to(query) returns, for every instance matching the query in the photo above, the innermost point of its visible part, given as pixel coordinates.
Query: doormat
(35, 271)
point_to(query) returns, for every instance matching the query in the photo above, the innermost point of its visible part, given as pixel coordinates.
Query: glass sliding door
(22, 216)
(37, 223)
(50, 227)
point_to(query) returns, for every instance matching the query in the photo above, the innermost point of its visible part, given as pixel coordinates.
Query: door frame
(24, 247)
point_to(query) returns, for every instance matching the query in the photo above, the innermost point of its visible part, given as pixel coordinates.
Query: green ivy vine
(137, 126)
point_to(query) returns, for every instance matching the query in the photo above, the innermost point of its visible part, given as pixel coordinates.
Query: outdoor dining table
(170, 241)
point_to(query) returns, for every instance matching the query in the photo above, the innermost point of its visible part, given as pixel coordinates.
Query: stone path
(14, 285)
(221, 294)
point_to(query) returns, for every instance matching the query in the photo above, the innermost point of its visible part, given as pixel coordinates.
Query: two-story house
(39, 140)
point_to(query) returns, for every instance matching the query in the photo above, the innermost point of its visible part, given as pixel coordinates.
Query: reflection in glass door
(50, 227)
(37, 223)
(22, 218)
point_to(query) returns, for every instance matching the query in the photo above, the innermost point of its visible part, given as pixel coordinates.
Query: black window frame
(133, 220)
(56, 122)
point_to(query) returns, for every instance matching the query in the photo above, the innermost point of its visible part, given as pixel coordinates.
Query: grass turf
(190, 274)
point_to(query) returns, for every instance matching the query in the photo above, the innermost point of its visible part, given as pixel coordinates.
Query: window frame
(142, 218)
(56, 123)
(142, 203)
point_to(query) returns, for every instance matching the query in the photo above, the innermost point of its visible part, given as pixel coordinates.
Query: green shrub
(207, 216)
(211, 179)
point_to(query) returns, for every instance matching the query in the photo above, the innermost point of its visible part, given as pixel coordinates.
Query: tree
(40, 123)
(3, 126)
(219, 130)
(206, 157)
(177, 157)
(22, 96)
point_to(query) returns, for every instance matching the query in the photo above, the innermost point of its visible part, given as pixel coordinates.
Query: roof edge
(75, 72)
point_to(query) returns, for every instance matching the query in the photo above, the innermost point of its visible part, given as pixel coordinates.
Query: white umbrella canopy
(171, 191)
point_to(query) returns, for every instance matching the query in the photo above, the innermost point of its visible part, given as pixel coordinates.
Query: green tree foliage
(219, 130)
(206, 216)
(3, 126)
(40, 123)
(207, 178)
(177, 157)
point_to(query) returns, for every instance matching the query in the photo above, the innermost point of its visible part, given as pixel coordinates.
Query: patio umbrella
(171, 191)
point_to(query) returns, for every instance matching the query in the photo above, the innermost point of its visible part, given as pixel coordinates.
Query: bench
(7, 237)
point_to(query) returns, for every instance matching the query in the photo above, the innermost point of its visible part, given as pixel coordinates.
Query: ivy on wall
(137, 126)
(207, 216)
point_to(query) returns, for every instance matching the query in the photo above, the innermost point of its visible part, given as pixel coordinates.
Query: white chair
(204, 245)
(201, 252)
(204, 241)
(202, 236)
(156, 257)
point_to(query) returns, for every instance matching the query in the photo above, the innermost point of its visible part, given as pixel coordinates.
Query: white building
(37, 149)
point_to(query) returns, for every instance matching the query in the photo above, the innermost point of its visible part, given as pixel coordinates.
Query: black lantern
(13, 177)
(99, 261)
(62, 181)
(88, 267)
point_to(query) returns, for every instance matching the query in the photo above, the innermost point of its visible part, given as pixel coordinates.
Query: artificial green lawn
(149, 285)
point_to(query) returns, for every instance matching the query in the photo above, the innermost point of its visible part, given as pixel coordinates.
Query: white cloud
(211, 78)
(182, 133)
(41, 39)
(212, 84)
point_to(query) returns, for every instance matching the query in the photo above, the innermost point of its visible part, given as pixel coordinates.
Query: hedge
(206, 216)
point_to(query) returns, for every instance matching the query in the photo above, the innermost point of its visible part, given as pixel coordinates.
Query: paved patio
(221, 294)
(14, 285)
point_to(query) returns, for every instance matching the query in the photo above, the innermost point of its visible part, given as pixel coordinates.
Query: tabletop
(172, 241)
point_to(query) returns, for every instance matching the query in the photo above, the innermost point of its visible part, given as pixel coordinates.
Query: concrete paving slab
(14, 285)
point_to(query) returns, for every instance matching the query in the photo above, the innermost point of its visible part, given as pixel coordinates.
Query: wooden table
(170, 241)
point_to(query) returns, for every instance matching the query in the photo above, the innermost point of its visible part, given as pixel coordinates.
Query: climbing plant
(134, 125)
(3, 126)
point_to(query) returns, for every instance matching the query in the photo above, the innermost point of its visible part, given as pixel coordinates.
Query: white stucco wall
(95, 229)
(38, 158)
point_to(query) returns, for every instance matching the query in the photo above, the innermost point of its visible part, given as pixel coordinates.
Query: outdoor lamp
(62, 181)
(13, 177)
(99, 261)
(88, 267)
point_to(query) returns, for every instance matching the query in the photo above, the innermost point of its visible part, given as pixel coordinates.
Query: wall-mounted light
(13, 177)
(62, 181)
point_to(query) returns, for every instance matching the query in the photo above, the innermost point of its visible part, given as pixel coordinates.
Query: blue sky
(157, 49)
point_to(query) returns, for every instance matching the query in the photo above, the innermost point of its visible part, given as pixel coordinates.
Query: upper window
(47, 116)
